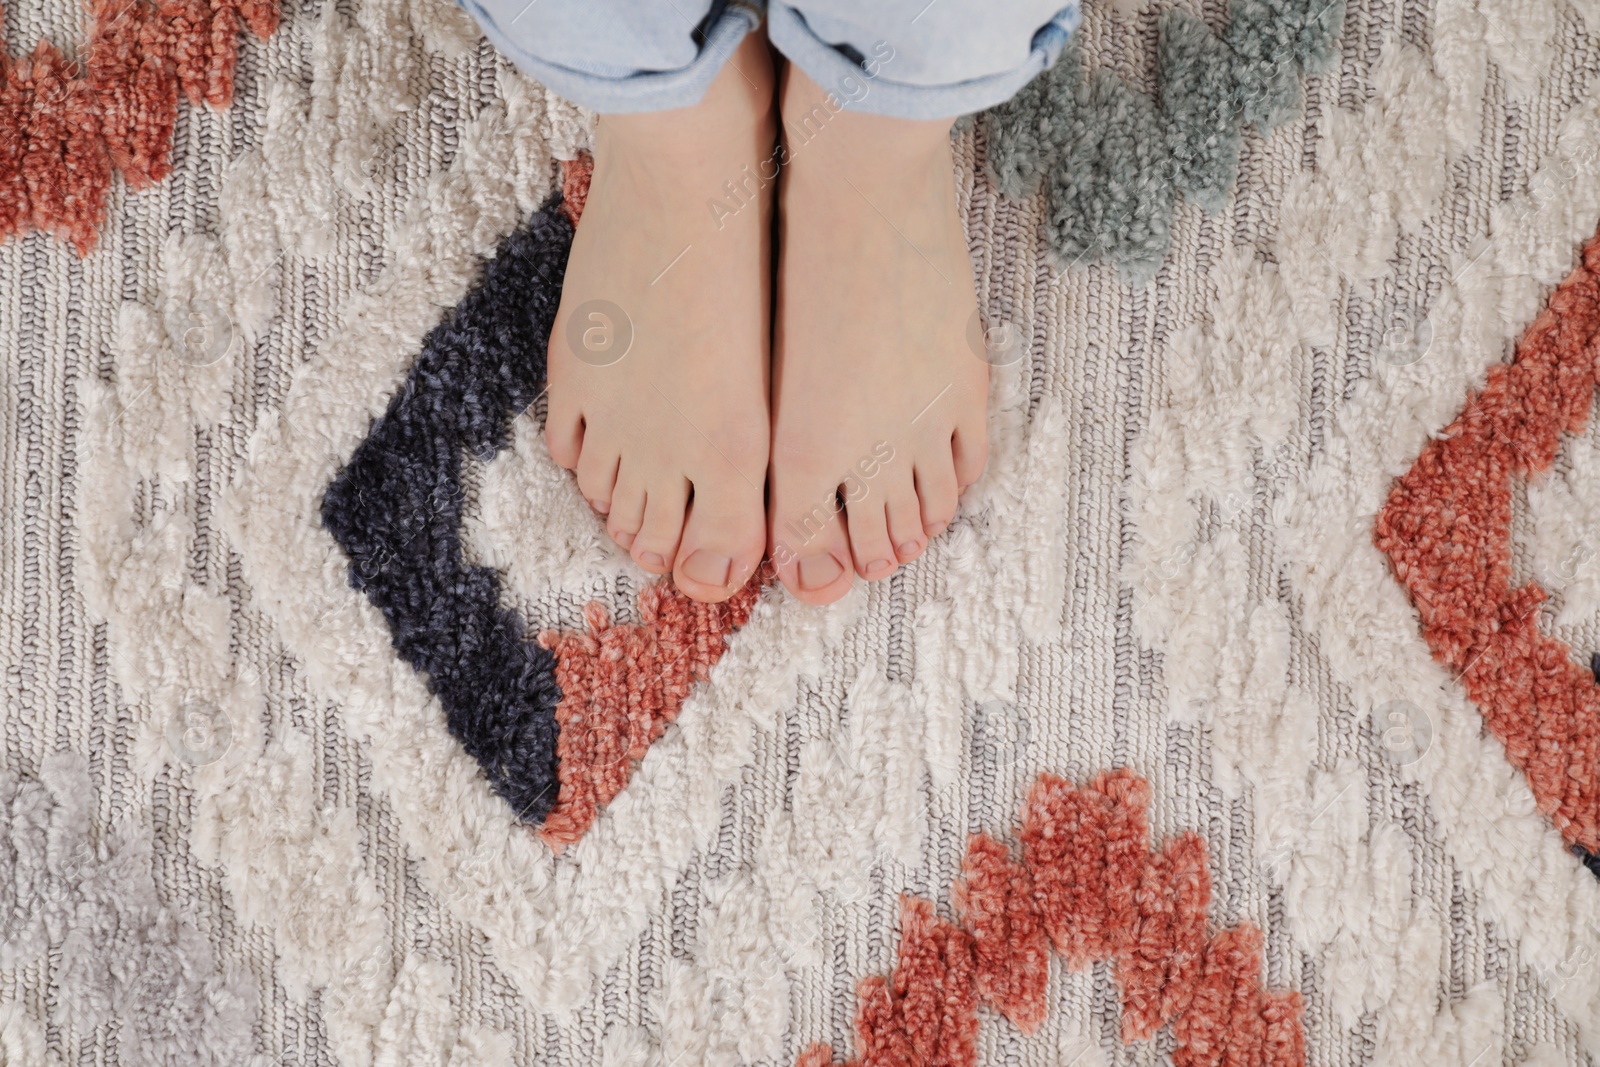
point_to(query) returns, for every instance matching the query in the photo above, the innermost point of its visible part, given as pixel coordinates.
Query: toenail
(650, 559)
(877, 567)
(623, 538)
(602, 506)
(909, 549)
(935, 529)
(708, 568)
(819, 572)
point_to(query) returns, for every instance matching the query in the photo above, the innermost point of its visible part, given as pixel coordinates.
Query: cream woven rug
(1324, 781)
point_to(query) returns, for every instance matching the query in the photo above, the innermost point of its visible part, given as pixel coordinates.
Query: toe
(970, 448)
(563, 434)
(597, 474)
(723, 538)
(809, 545)
(936, 488)
(867, 522)
(657, 543)
(626, 516)
(905, 519)
(819, 577)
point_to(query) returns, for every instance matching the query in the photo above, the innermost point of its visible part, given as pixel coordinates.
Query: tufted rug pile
(1245, 716)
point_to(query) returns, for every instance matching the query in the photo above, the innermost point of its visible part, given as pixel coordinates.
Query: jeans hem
(633, 92)
(627, 92)
(824, 64)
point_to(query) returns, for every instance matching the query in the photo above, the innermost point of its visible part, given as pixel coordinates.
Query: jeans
(915, 59)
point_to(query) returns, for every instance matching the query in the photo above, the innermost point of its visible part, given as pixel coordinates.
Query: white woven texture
(1169, 566)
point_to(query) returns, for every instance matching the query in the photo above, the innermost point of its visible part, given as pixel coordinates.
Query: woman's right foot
(659, 354)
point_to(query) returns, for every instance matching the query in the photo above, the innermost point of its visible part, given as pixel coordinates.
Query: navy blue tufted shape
(395, 508)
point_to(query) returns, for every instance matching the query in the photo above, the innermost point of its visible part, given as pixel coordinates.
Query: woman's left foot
(879, 400)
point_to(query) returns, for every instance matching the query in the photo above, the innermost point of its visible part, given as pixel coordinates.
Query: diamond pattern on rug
(67, 125)
(557, 725)
(1447, 530)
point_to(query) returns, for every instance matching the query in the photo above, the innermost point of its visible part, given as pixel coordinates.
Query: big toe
(722, 541)
(810, 547)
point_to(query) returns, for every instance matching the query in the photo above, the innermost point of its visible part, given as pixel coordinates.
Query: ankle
(817, 124)
(738, 109)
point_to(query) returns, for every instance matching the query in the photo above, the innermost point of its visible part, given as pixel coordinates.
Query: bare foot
(879, 401)
(659, 355)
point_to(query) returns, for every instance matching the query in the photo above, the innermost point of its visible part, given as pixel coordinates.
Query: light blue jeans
(916, 59)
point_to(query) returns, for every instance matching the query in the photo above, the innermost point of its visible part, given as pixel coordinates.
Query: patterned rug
(1247, 715)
